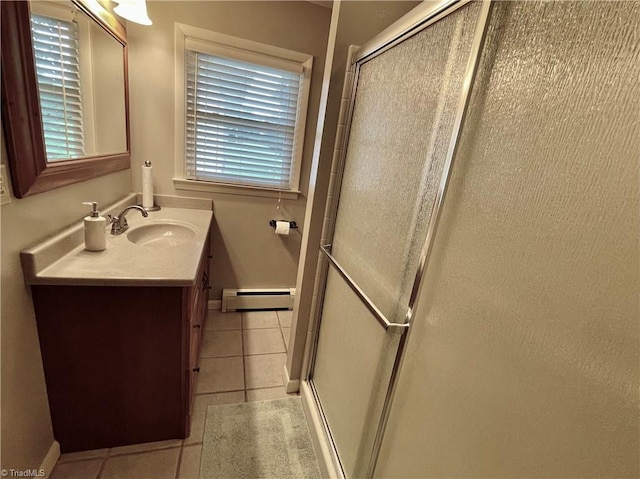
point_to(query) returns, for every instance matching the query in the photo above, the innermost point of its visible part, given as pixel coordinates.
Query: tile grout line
(200, 461)
(179, 462)
(110, 454)
(215, 333)
(102, 465)
(286, 349)
(261, 354)
(244, 369)
(245, 353)
(79, 459)
(220, 392)
(281, 334)
(134, 453)
(221, 319)
(200, 443)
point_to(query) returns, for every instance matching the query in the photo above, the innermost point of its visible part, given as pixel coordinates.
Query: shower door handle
(398, 328)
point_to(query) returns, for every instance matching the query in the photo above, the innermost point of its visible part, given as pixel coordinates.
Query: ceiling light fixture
(133, 10)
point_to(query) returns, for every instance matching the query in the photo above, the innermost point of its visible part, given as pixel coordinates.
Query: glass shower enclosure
(427, 100)
(410, 100)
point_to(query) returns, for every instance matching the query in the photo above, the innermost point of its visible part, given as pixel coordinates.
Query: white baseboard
(291, 386)
(325, 453)
(215, 304)
(50, 460)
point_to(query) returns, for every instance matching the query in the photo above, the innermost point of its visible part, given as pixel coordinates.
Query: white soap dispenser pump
(95, 237)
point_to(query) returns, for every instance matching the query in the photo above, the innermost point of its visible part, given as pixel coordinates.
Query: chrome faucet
(119, 223)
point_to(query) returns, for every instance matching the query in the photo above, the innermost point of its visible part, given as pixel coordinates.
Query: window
(244, 110)
(55, 44)
(241, 120)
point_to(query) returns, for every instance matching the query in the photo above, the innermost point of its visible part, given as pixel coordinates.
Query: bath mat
(267, 439)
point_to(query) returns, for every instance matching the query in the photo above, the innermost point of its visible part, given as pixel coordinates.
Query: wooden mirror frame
(21, 118)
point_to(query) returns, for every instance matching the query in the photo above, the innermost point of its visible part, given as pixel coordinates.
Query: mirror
(79, 73)
(65, 114)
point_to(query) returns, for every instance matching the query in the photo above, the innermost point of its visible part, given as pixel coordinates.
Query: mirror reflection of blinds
(55, 45)
(240, 121)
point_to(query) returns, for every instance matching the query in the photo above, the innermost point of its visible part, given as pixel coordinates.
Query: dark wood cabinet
(121, 362)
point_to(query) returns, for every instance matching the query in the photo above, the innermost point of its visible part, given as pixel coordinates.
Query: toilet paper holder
(292, 224)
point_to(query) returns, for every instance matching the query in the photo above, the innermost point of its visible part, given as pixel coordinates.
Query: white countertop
(62, 260)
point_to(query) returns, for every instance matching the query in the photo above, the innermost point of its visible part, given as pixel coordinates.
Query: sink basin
(161, 234)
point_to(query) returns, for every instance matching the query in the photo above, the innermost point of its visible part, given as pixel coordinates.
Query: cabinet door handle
(196, 370)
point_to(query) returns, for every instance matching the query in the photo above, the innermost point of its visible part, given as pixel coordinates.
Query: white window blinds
(240, 121)
(55, 44)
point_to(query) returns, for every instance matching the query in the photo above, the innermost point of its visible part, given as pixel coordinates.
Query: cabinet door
(194, 363)
(205, 281)
(198, 297)
(114, 374)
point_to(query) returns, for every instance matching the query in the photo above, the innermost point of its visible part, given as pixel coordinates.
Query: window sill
(193, 185)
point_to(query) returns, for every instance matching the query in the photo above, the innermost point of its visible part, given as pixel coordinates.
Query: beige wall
(26, 424)
(246, 251)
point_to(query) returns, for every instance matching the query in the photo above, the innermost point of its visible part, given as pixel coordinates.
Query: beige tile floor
(241, 359)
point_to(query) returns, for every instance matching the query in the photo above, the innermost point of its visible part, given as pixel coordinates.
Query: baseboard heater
(247, 299)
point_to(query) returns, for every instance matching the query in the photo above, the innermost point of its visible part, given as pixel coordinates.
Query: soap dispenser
(95, 238)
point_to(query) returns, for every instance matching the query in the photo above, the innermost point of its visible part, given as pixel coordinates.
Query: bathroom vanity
(120, 330)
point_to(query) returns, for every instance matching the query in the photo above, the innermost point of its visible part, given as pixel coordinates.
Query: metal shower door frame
(420, 18)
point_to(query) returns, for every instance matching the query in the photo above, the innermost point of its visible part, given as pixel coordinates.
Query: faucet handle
(118, 224)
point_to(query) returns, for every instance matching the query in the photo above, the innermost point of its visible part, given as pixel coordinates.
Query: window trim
(244, 47)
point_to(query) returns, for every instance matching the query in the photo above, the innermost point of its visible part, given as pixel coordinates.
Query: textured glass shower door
(401, 127)
(524, 360)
